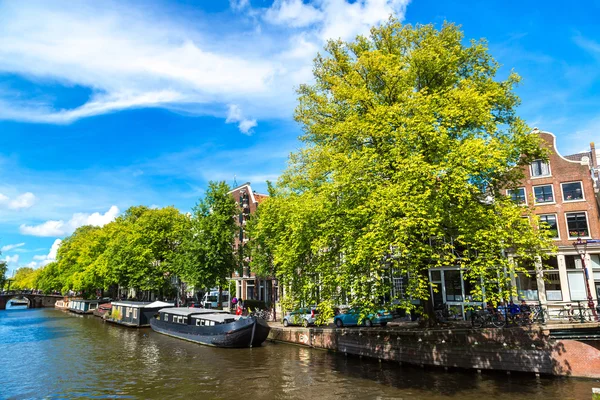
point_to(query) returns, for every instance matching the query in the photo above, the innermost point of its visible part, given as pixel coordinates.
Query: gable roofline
(247, 184)
(537, 131)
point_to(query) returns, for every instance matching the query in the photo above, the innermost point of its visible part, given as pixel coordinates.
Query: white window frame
(539, 176)
(544, 202)
(135, 313)
(524, 191)
(587, 222)
(557, 224)
(563, 193)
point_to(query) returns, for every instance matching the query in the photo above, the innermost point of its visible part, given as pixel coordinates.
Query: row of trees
(410, 143)
(145, 249)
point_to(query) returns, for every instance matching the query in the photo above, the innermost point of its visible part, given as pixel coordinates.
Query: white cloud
(335, 19)
(42, 260)
(293, 13)
(12, 260)
(131, 57)
(25, 200)
(9, 247)
(62, 228)
(234, 115)
(238, 5)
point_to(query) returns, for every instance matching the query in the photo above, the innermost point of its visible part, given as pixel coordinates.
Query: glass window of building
(548, 221)
(576, 285)
(572, 191)
(453, 285)
(577, 225)
(540, 168)
(527, 285)
(543, 194)
(573, 262)
(552, 279)
(518, 195)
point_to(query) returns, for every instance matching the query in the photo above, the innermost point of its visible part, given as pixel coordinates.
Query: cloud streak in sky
(62, 228)
(134, 58)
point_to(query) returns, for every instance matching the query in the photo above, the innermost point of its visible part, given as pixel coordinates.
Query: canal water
(46, 353)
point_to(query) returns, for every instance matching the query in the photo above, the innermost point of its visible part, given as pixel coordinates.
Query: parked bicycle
(572, 313)
(443, 314)
(482, 318)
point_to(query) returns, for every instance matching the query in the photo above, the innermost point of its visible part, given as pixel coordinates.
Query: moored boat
(211, 327)
(135, 314)
(85, 306)
(16, 302)
(62, 304)
(103, 310)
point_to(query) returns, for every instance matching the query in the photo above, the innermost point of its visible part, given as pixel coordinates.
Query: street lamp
(581, 253)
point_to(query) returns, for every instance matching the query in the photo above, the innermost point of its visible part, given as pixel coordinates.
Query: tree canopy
(410, 142)
(145, 249)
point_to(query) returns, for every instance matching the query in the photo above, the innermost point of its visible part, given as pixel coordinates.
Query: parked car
(351, 317)
(301, 316)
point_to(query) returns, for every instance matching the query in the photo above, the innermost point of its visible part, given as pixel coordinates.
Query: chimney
(594, 158)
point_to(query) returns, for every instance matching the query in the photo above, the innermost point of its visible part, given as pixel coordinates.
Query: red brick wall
(563, 170)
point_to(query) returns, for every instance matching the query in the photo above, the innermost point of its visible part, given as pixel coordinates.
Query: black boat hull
(245, 332)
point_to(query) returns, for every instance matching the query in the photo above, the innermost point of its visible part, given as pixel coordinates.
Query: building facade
(565, 195)
(247, 284)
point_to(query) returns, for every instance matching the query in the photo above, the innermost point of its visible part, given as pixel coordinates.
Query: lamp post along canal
(580, 247)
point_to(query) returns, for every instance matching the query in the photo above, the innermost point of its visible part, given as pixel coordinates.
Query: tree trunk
(219, 305)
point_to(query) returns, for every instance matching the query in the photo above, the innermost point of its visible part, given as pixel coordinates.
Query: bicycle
(482, 318)
(263, 314)
(539, 314)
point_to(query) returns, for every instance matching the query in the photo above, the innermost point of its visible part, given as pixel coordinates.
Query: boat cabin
(85, 306)
(135, 313)
(196, 316)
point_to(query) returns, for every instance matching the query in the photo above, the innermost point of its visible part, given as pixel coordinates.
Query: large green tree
(3, 269)
(207, 256)
(410, 142)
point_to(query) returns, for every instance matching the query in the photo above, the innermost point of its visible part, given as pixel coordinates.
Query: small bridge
(35, 300)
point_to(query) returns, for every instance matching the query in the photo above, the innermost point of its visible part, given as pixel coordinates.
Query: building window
(572, 191)
(540, 168)
(135, 313)
(548, 222)
(453, 286)
(543, 194)
(527, 286)
(552, 283)
(576, 285)
(518, 196)
(573, 262)
(577, 225)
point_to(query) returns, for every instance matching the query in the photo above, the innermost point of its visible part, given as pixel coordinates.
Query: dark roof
(191, 311)
(142, 304)
(579, 156)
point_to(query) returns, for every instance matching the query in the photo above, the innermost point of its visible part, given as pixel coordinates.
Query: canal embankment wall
(529, 350)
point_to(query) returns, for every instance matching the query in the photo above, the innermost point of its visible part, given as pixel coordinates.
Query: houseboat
(62, 304)
(211, 327)
(135, 314)
(18, 303)
(85, 306)
(103, 310)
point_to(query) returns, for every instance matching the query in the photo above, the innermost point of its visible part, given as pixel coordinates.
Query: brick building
(565, 194)
(247, 284)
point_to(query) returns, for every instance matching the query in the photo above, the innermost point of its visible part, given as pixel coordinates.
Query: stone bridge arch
(35, 300)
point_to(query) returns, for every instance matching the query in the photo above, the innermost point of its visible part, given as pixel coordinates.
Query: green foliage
(137, 250)
(207, 257)
(25, 278)
(3, 269)
(410, 143)
(326, 313)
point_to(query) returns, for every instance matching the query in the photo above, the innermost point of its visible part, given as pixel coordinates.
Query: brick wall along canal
(46, 353)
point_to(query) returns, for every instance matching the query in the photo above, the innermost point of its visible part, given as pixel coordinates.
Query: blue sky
(104, 105)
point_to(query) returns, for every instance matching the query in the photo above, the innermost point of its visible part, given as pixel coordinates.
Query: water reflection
(49, 353)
